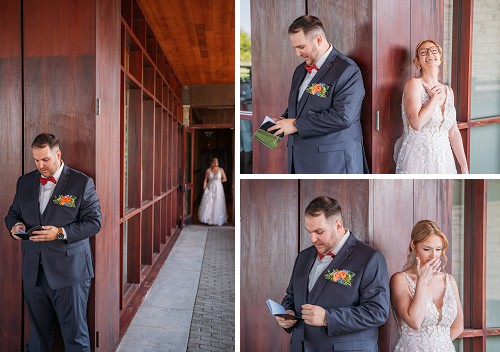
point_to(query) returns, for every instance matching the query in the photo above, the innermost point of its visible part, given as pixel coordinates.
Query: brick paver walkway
(212, 324)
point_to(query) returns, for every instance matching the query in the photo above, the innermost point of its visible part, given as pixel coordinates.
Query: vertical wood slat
(393, 202)
(273, 61)
(268, 250)
(11, 164)
(392, 65)
(462, 65)
(104, 310)
(475, 261)
(350, 27)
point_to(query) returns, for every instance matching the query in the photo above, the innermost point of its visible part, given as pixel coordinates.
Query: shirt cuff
(64, 234)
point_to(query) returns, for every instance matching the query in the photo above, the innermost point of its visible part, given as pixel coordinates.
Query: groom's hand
(286, 323)
(313, 315)
(283, 126)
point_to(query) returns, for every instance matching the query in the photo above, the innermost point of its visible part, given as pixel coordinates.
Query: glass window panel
(245, 57)
(447, 42)
(245, 146)
(492, 343)
(125, 147)
(459, 345)
(485, 149)
(187, 174)
(493, 257)
(485, 90)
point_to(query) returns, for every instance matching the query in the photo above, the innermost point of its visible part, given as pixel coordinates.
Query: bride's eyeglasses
(434, 50)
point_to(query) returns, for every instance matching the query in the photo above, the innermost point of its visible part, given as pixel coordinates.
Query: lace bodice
(427, 150)
(214, 177)
(434, 333)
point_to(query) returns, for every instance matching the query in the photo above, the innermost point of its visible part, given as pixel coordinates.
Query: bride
(213, 203)
(430, 130)
(425, 299)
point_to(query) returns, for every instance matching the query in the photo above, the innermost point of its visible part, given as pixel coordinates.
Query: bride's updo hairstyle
(421, 232)
(415, 59)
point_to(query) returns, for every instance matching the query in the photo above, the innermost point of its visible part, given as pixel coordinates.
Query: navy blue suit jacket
(329, 138)
(65, 262)
(354, 313)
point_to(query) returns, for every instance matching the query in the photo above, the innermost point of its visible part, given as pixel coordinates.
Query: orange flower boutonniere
(318, 89)
(343, 277)
(65, 200)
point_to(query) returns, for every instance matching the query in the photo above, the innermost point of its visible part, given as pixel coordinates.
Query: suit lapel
(36, 195)
(61, 184)
(316, 79)
(336, 263)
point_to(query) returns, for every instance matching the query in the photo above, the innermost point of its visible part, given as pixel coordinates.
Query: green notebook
(267, 138)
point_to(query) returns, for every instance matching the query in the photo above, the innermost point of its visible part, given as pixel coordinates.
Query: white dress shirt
(320, 265)
(310, 76)
(47, 190)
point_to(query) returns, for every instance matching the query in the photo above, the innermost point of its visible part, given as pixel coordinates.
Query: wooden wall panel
(104, 311)
(274, 61)
(391, 71)
(392, 204)
(269, 246)
(59, 28)
(349, 27)
(347, 193)
(59, 98)
(11, 164)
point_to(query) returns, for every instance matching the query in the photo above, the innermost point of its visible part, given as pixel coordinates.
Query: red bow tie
(321, 256)
(44, 180)
(309, 68)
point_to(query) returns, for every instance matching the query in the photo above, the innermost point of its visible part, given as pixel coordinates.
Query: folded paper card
(279, 311)
(268, 138)
(25, 235)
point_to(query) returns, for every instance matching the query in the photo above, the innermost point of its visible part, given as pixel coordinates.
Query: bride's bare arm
(458, 325)
(412, 311)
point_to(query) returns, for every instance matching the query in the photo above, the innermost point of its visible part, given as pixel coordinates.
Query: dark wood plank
(349, 27)
(268, 253)
(104, 310)
(393, 64)
(273, 62)
(59, 28)
(392, 225)
(11, 164)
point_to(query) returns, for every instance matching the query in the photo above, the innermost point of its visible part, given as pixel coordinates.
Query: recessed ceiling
(196, 36)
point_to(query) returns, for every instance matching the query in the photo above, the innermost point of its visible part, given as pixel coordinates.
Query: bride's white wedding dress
(213, 203)
(434, 333)
(427, 151)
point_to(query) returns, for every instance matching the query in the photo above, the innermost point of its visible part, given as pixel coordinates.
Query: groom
(339, 287)
(324, 106)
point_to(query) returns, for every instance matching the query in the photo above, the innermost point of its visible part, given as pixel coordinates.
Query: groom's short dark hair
(324, 205)
(307, 23)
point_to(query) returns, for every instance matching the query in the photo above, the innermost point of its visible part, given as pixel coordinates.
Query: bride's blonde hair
(421, 232)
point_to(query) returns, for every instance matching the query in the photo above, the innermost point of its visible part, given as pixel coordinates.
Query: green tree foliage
(245, 48)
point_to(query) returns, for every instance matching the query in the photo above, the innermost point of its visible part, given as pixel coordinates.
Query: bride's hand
(436, 92)
(425, 272)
